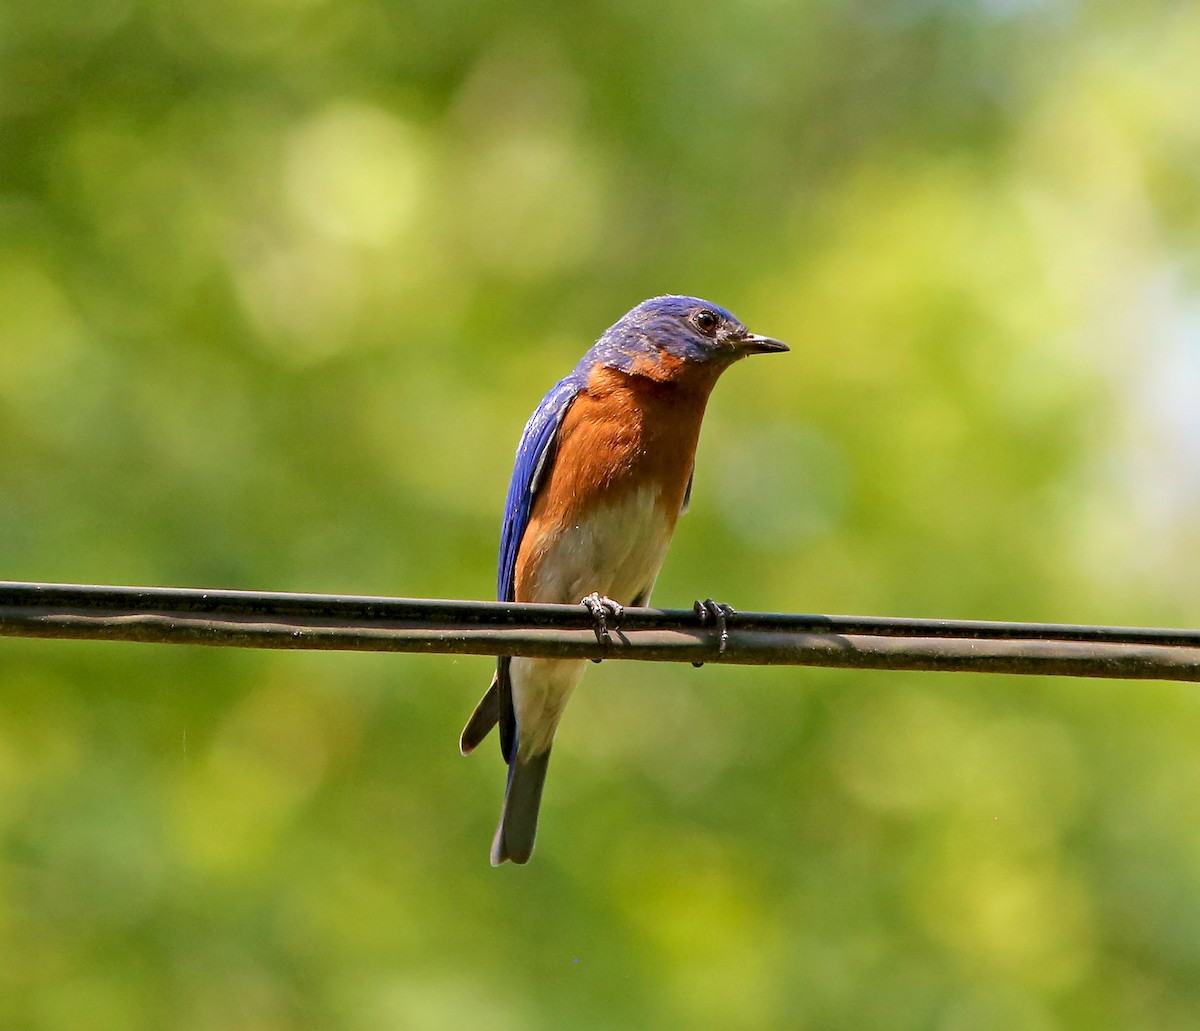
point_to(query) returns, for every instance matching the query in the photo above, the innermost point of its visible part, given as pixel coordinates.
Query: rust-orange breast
(624, 434)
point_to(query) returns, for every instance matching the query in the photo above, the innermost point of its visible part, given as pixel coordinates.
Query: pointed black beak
(752, 343)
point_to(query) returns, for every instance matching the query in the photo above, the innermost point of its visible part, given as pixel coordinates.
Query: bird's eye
(706, 321)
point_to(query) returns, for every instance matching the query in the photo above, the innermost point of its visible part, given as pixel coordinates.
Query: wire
(248, 619)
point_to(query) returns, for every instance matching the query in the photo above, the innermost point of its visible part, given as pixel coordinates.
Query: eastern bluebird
(603, 471)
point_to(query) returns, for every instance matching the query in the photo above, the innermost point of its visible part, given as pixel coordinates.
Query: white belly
(541, 689)
(616, 551)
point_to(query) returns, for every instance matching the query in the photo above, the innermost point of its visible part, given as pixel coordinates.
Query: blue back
(534, 455)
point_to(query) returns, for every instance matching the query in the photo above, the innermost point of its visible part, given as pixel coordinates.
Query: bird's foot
(606, 613)
(718, 615)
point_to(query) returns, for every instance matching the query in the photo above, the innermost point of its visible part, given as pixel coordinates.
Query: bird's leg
(603, 610)
(719, 616)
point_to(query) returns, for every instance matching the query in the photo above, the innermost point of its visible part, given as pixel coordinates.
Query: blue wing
(535, 454)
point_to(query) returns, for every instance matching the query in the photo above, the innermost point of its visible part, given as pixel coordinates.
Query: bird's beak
(752, 343)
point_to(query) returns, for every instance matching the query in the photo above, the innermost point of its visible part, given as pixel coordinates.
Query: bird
(603, 471)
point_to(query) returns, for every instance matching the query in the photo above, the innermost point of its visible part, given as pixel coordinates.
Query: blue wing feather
(534, 455)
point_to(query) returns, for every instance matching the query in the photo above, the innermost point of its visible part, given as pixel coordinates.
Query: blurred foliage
(279, 284)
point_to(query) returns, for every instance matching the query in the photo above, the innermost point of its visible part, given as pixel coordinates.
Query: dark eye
(706, 321)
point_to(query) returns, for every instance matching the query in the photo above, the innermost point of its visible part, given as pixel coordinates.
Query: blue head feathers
(686, 329)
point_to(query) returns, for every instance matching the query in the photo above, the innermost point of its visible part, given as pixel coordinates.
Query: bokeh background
(279, 285)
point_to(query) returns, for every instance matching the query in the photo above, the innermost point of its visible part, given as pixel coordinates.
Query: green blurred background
(279, 285)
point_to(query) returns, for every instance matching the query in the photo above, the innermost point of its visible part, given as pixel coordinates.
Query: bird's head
(666, 337)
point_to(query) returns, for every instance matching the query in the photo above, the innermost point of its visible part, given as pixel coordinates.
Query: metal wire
(248, 619)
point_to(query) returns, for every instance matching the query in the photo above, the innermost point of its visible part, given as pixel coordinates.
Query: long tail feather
(518, 820)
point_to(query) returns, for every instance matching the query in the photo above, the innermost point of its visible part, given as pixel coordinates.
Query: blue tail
(518, 820)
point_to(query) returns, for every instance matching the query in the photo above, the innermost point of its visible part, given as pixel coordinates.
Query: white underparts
(616, 551)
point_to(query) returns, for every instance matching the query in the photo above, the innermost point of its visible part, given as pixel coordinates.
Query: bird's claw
(604, 610)
(719, 616)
